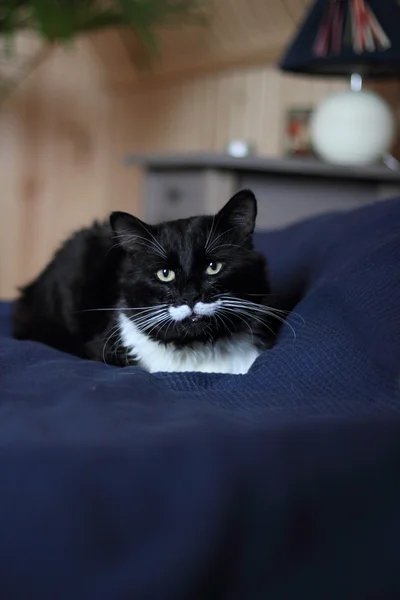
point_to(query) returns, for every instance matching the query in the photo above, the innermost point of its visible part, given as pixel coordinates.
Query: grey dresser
(288, 190)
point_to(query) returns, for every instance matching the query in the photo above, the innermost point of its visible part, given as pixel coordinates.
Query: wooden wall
(62, 139)
(206, 112)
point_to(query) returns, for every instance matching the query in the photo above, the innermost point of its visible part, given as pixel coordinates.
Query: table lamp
(359, 39)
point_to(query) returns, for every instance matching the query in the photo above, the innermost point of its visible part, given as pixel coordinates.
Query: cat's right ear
(239, 213)
(126, 227)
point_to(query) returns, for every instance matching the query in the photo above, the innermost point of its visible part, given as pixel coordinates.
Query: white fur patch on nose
(178, 313)
(206, 308)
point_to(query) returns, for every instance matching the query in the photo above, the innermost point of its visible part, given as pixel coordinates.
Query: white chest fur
(234, 355)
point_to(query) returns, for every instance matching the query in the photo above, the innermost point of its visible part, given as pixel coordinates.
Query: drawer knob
(174, 195)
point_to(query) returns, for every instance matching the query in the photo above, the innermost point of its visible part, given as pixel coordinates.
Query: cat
(184, 295)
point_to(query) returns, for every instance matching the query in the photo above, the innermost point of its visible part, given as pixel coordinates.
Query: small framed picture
(297, 132)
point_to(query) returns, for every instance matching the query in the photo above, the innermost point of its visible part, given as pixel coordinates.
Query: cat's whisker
(239, 305)
(242, 303)
(159, 323)
(211, 246)
(149, 320)
(115, 346)
(127, 239)
(267, 313)
(289, 313)
(217, 318)
(147, 312)
(218, 315)
(146, 318)
(138, 239)
(258, 308)
(147, 244)
(241, 318)
(267, 310)
(209, 234)
(112, 332)
(149, 316)
(210, 333)
(286, 322)
(259, 295)
(126, 357)
(169, 325)
(246, 303)
(248, 314)
(261, 307)
(142, 308)
(155, 241)
(215, 248)
(152, 244)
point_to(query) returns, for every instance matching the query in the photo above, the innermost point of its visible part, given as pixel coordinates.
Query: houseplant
(62, 20)
(59, 21)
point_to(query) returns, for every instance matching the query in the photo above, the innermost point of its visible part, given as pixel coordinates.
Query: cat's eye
(214, 267)
(166, 275)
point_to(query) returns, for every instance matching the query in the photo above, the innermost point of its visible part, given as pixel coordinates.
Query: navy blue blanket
(280, 484)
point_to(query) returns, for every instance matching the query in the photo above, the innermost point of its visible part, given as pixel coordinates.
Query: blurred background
(72, 112)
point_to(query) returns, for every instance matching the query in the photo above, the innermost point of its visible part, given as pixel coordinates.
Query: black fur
(115, 267)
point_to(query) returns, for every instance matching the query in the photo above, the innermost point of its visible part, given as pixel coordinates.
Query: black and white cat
(186, 295)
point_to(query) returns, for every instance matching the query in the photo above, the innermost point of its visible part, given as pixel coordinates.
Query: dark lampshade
(341, 37)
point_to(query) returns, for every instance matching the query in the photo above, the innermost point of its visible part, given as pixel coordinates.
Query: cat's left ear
(123, 224)
(240, 212)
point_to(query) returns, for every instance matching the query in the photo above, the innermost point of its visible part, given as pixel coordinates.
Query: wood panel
(207, 112)
(236, 33)
(61, 148)
(18, 58)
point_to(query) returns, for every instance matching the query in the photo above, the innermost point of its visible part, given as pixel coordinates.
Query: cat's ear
(240, 212)
(126, 227)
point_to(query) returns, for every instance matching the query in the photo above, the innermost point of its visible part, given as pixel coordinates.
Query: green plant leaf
(62, 20)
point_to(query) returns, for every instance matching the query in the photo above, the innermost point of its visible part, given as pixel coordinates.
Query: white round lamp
(353, 127)
(359, 39)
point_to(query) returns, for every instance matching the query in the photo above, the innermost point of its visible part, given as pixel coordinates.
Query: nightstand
(288, 190)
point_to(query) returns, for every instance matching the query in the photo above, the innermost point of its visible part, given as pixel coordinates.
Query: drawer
(174, 195)
(285, 199)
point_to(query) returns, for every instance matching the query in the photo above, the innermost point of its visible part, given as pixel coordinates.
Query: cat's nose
(191, 299)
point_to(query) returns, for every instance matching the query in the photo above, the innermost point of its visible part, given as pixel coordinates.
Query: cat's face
(187, 280)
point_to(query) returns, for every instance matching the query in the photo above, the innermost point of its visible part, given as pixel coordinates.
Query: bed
(282, 483)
